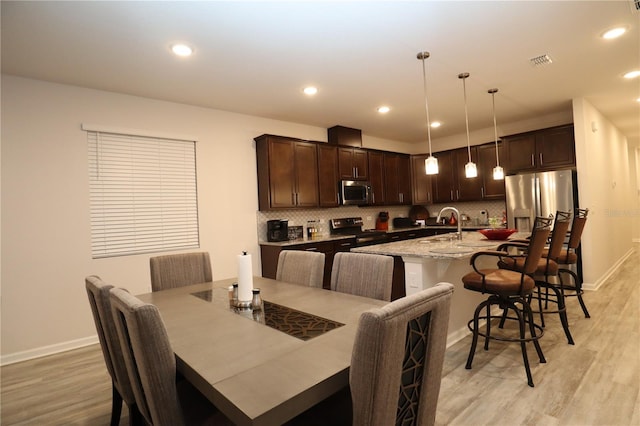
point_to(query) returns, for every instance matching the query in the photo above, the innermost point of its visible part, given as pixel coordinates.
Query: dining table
(262, 366)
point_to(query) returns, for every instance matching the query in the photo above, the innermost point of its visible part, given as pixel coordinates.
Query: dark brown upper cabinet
(464, 188)
(397, 172)
(420, 181)
(287, 173)
(377, 177)
(353, 163)
(546, 149)
(491, 189)
(328, 175)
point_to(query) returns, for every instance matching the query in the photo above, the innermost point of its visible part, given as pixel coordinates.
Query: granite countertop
(438, 246)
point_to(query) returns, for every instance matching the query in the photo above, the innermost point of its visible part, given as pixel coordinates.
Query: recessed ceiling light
(638, 100)
(384, 109)
(310, 90)
(632, 74)
(614, 33)
(436, 124)
(181, 50)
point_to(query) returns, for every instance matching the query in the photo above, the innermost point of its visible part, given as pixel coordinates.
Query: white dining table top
(255, 374)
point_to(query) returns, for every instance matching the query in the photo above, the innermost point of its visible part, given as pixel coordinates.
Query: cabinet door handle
(429, 197)
(452, 195)
(541, 162)
(401, 197)
(311, 249)
(482, 192)
(533, 163)
(457, 194)
(345, 244)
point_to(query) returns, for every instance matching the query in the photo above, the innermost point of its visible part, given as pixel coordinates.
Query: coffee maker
(277, 230)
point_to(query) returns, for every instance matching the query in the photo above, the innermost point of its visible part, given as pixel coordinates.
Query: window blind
(143, 194)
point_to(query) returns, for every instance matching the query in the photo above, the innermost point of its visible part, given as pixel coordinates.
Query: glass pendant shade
(470, 170)
(498, 173)
(431, 165)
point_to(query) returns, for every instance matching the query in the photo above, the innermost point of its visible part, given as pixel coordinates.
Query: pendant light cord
(495, 126)
(466, 114)
(426, 103)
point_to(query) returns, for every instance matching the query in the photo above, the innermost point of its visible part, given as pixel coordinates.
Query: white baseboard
(596, 285)
(47, 350)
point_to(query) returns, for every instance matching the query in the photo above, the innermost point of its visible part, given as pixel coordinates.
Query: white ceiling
(255, 58)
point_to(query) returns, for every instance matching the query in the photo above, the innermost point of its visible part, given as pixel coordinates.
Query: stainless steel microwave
(355, 192)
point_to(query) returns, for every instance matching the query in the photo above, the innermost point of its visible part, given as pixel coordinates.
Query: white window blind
(143, 194)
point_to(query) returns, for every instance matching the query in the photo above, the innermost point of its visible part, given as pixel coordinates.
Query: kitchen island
(430, 260)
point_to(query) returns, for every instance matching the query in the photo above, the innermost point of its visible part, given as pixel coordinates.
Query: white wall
(45, 222)
(606, 186)
(45, 235)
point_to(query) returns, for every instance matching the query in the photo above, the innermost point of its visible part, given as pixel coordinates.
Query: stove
(353, 226)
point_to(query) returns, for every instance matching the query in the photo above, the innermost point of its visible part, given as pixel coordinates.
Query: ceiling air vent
(541, 60)
(635, 6)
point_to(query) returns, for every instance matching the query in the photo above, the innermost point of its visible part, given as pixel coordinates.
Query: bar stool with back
(546, 274)
(569, 256)
(507, 289)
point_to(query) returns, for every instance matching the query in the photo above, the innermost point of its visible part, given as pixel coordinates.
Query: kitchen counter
(437, 246)
(431, 260)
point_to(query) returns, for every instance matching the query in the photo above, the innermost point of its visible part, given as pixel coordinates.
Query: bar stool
(546, 275)
(507, 289)
(569, 256)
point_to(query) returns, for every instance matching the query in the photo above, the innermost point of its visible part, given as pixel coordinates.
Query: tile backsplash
(368, 214)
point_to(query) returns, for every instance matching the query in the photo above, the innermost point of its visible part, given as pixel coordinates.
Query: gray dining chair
(98, 293)
(301, 267)
(177, 270)
(367, 275)
(151, 366)
(396, 365)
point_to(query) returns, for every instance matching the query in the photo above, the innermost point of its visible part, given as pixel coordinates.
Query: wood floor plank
(594, 382)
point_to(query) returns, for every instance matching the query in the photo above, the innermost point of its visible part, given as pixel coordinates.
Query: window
(143, 194)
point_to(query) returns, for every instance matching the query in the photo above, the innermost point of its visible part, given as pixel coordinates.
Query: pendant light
(470, 169)
(498, 172)
(431, 163)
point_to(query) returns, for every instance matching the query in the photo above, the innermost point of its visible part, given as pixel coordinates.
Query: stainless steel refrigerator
(539, 194)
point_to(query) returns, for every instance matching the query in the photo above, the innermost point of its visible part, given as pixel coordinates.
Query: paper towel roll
(245, 278)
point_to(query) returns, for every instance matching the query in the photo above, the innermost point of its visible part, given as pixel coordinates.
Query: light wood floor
(595, 382)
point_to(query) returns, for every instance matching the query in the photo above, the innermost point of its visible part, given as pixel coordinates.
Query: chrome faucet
(459, 233)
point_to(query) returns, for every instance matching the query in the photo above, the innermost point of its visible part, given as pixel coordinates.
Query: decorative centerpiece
(497, 233)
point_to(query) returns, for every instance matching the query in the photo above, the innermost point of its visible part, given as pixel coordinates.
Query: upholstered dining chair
(396, 365)
(546, 275)
(98, 293)
(151, 366)
(177, 270)
(301, 267)
(368, 275)
(508, 289)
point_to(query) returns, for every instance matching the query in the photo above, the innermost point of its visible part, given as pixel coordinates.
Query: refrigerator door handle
(536, 200)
